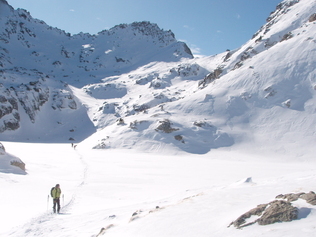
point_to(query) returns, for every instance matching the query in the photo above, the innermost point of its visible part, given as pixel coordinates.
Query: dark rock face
(240, 221)
(287, 36)
(275, 211)
(278, 211)
(312, 18)
(9, 115)
(211, 77)
(165, 126)
(308, 197)
(10, 125)
(29, 97)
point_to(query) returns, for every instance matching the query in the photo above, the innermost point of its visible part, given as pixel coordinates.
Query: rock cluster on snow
(312, 18)
(7, 159)
(2, 149)
(165, 126)
(291, 197)
(210, 77)
(275, 211)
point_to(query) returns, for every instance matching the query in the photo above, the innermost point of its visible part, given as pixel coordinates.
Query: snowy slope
(260, 96)
(140, 88)
(182, 146)
(38, 63)
(185, 195)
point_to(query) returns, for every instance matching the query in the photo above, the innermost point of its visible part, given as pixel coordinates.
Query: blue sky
(207, 26)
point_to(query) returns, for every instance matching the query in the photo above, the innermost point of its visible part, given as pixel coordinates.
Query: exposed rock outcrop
(8, 160)
(278, 211)
(211, 77)
(275, 211)
(291, 197)
(312, 18)
(18, 163)
(165, 126)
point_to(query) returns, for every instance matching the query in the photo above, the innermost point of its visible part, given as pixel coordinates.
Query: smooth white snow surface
(197, 195)
(238, 141)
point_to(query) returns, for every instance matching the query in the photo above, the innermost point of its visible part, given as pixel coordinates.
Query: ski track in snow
(46, 224)
(49, 222)
(253, 128)
(124, 192)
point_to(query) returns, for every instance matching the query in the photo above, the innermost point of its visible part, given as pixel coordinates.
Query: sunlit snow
(163, 145)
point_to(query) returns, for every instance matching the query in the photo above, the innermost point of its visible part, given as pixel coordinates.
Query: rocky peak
(33, 56)
(4, 2)
(4, 7)
(147, 28)
(144, 29)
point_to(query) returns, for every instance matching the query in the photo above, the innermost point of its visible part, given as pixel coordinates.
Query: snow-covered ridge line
(29, 45)
(282, 25)
(141, 89)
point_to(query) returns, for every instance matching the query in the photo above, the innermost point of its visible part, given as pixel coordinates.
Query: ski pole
(63, 201)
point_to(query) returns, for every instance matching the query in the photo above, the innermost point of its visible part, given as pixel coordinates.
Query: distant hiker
(56, 191)
(72, 145)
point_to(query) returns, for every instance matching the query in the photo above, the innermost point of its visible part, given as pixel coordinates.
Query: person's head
(57, 186)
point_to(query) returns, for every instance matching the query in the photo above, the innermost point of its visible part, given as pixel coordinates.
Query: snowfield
(174, 195)
(166, 145)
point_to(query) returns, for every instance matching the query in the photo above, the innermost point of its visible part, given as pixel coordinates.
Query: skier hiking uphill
(56, 192)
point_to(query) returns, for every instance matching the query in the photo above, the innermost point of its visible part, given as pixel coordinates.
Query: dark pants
(56, 202)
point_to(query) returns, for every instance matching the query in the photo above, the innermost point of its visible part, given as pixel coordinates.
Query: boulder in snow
(275, 211)
(308, 197)
(312, 18)
(165, 126)
(8, 160)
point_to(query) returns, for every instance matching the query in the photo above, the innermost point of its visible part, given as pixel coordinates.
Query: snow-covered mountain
(38, 62)
(228, 134)
(136, 86)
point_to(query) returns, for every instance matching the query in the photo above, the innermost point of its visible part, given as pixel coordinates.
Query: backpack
(51, 191)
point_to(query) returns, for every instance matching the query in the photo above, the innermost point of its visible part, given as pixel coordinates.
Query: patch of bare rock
(279, 210)
(11, 160)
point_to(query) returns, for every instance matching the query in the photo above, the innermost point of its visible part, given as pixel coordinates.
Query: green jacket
(56, 193)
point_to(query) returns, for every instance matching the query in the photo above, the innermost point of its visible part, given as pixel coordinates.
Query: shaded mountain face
(38, 62)
(135, 86)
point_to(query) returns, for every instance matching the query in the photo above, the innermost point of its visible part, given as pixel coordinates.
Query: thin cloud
(196, 51)
(188, 27)
(71, 10)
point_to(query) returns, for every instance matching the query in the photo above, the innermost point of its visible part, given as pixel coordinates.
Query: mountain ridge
(170, 99)
(38, 60)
